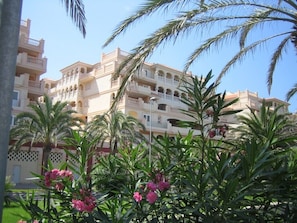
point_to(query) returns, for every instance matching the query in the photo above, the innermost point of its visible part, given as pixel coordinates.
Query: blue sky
(64, 45)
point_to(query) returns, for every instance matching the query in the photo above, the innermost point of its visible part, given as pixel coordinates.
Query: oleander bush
(191, 178)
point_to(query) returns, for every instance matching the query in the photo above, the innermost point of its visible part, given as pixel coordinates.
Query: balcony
(145, 76)
(86, 77)
(32, 46)
(35, 87)
(19, 81)
(156, 125)
(71, 95)
(29, 64)
(140, 90)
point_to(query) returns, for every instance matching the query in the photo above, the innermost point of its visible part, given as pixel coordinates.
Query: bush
(7, 190)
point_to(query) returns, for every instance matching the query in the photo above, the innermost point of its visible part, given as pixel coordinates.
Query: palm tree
(270, 127)
(47, 124)
(218, 15)
(117, 128)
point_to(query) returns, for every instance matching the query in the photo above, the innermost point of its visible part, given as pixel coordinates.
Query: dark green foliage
(47, 124)
(207, 179)
(8, 191)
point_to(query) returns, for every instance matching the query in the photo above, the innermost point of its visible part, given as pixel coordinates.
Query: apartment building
(152, 94)
(250, 100)
(30, 66)
(253, 101)
(28, 87)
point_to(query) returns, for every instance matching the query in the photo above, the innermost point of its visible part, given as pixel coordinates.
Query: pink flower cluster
(158, 183)
(86, 201)
(56, 178)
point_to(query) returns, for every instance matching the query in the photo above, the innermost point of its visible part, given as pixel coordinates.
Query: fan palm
(194, 17)
(47, 124)
(117, 128)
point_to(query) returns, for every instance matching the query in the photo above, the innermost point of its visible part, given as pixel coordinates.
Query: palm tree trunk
(45, 158)
(115, 147)
(10, 17)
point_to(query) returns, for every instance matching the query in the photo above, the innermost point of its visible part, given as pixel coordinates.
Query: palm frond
(275, 58)
(243, 52)
(291, 92)
(148, 8)
(76, 10)
(255, 19)
(228, 19)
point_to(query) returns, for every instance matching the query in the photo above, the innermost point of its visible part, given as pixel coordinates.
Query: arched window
(160, 89)
(176, 95)
(161, 75)
(168, 94)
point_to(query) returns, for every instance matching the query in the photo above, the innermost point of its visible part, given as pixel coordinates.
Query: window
(162, 107)
(146, 117)
(159, 119)
(12, 123)
(15, 99)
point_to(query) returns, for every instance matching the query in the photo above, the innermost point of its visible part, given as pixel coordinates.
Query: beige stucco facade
(90, 90)
(28, 87)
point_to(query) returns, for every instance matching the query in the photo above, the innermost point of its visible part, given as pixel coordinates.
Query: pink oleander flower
(35, 221)
(151, 197)
(21, 221)
(137, 197)
(90, 203)
(55, 176)
(78, 205)
(59, 186)
(159, 177)
(86, 205)
(163, 185)
(86, 201)
(54, 173)
(152, 186)
(66, 173)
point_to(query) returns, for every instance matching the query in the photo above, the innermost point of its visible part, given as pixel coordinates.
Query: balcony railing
(134, 87)
(159, 125)
(34, 84)
(31, 62)
(31, 44)
(35, 87)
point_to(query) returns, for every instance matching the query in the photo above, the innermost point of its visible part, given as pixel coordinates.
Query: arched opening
(173, 121)
(161, 75)
(161, 89)
(168, 94)
(176, 79)
(162, 107)
(176, 95)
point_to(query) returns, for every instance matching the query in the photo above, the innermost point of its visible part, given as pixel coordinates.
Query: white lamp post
(150, 136)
